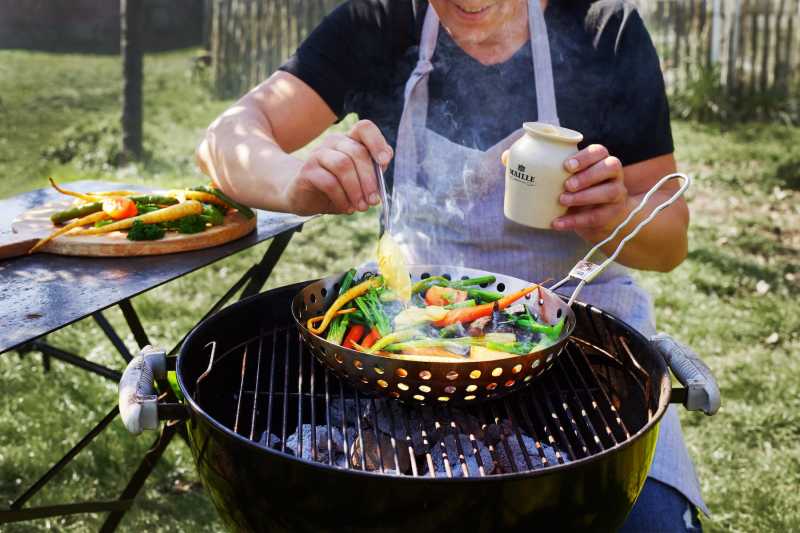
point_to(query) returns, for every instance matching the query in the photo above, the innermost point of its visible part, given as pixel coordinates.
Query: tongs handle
(384, 195)
(585, 271)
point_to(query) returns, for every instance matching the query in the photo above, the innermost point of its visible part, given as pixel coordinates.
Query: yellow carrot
(199, 196)
(82, 196)
(173, 212)
(88, 219)
(318, 319)
(352, 294)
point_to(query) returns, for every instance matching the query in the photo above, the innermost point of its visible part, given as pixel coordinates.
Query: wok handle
(700, 392)
(138, 400)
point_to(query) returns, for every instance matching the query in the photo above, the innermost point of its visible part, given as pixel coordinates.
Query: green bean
(76, 212)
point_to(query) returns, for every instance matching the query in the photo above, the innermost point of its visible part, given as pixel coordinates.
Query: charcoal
(373, 456)
(271, 442)
(470, 457)
(337, 444)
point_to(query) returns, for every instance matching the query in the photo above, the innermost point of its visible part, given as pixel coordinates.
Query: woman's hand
(338, 176)
(595, 194)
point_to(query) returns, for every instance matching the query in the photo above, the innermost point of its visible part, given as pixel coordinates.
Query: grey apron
(447, 208)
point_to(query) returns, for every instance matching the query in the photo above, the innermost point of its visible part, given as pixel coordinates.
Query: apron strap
(542, 65)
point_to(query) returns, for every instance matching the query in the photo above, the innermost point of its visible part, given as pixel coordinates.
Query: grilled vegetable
(188, 224)
(439, 352)
(354, 335)
(200, 196)
(444, 296)
(76, 212)
(468, 314)
(320, 318)
(552, 331)
(162, 215)
(243, 209)
(370, 306)
(394, 337)
(484, 296)
(88, 219)
(145, 232)
(119, 208)
(340, 323)
(465, 303)
(351, 294)
(368, 341)
(414, 316)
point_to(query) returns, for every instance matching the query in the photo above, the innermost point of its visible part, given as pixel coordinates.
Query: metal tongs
(384, 197)
(585, 271)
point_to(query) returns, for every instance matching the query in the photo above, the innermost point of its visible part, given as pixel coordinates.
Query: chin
(472, 19)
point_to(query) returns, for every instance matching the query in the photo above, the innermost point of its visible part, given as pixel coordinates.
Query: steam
(601, 12)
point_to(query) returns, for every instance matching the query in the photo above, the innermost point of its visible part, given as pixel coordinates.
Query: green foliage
(706, 98)
(189, 224)
(145, 232)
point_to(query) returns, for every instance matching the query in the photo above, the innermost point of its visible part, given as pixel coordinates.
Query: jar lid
(554, 133)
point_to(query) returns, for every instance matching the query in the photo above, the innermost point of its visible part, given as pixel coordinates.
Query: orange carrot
(444, 296)
(355, 334)
(371, 339)
(468, 314)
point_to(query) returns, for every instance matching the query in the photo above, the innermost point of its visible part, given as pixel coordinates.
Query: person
(441, 90)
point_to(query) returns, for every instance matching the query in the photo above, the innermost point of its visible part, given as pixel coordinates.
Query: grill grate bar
(360, 441)
(437, 431)
(345, 436)
(587, 423)
(566, 412)
(454, 431)
(328, 416)
(615, 414)
(412, 455)
(241, 390)
(378, 439)
(544, 424)
(299, 440)
(592, 401)
(531, 428)
(475, 451)
(525, 455)
(255, 394)
(270, 394)
(485, 424)
(312, 403)
(286, 359)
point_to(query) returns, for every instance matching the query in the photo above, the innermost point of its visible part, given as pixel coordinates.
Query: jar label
(519, 174)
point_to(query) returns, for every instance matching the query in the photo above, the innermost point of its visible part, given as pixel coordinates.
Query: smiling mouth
(472, 11)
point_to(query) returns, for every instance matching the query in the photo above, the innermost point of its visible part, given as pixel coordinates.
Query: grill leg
(134, 323)
(140, 476)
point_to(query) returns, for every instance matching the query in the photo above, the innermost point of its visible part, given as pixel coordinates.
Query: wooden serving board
(35, 224)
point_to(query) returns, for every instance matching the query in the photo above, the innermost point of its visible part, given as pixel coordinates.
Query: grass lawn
(734, 300)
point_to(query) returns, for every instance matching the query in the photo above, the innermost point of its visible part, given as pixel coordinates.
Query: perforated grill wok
(426, 379)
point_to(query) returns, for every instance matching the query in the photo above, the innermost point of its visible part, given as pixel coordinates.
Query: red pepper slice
(355, 334)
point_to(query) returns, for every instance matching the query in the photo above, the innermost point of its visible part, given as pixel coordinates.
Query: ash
(398, 439)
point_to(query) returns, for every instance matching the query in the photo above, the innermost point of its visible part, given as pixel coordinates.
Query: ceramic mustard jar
(535, 174)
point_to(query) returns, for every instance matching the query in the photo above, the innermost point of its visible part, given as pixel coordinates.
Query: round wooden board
(36, 222)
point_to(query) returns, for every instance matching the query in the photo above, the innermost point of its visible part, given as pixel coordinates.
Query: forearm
(249, 165)
(661, 245)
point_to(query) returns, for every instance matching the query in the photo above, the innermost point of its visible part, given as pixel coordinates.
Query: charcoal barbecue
(282, 443)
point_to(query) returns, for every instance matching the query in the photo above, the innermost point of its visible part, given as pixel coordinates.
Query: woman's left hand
(595, 194)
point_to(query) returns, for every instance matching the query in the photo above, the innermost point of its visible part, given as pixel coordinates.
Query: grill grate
(287, 401)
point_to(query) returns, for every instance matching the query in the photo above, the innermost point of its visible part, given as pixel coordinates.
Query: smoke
(601, 12)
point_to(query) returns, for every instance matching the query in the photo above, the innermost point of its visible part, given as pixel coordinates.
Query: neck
(498, 45)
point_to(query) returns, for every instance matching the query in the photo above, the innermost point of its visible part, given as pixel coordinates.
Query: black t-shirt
(359, 58)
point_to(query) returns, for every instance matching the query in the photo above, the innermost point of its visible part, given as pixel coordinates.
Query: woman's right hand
(338, 176)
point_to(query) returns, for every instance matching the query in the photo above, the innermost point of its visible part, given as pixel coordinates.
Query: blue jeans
(660, 508)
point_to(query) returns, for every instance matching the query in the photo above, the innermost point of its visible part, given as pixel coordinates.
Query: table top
(44, 292)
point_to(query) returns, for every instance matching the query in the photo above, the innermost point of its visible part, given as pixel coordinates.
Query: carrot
(320, 318)
(468, 314)
(340, 302)
(371, 339)
(355, 334)
(88, 219)
(206, 198)
(444, 296)
(173, 212)
(82, 196)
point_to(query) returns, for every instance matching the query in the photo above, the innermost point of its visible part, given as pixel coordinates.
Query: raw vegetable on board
(144, 216)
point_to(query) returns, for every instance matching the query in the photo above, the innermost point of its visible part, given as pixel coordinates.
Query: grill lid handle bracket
(701, 392)
(138, 400)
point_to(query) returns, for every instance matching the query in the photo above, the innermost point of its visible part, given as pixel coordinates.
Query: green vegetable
(188, 225)
(339, 324)
(396, 337)
(153, 199)
(145, 232)
(552, 331)
(518, 348)
(465, 303)
(76, 212)
(147, 208)
(427, 283)
(101, 223)
(243, 209)
(213, 214)
(484, 296)
(371, 307)
(481, 280)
